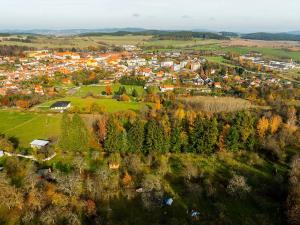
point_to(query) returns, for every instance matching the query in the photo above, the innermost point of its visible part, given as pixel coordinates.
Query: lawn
(26, 126)
(111, 105)
(97, 90)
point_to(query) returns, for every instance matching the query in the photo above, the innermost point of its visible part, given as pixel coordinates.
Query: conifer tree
(135, 136)
(116, 138)
(154, 140)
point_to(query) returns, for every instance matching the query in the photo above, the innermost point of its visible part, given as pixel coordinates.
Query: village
(166, 70)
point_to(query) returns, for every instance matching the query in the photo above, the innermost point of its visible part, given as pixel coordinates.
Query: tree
(293, 199)
(262, 127)
(135, 136)
(108, 90)
(116, 138)
(232, 140)
(5, 144)
(275, 123)
(122, 90)
(134, 93)
(96, 108)
(124, 98)
(177, 137)
(205, 135)
(154, 139)
(238, 186)
(100, 128)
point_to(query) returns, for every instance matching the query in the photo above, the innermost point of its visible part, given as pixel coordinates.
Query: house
(61, 105)
(39, 144)
(38, 89)
(167, 64)
(166, 88)
(217, 85)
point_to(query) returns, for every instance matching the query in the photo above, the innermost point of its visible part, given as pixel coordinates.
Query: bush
(238, 186)
(124, 98)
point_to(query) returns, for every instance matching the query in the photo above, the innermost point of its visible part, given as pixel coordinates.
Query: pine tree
(197, 134)
(232, 140)
(175, 138)
(210, 136)
(116, 138)
(154, 139)
(135, 136)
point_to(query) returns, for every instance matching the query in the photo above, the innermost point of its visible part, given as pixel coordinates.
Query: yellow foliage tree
(262, 126)
(275, 123)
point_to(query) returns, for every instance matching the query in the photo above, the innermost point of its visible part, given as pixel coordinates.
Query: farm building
(39, 144)
(61, 105)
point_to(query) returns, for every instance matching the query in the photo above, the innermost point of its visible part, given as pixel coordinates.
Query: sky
(218, 15)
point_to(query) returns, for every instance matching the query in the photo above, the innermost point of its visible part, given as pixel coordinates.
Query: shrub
(238, 186)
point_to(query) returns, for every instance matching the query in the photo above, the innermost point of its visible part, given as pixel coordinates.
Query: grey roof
(60, 104)
(41, 143)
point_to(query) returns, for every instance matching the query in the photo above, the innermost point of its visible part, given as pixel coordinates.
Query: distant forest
(272, 36)
(166, 35)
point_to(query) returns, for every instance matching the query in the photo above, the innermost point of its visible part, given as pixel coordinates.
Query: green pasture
(26, 126)
(110, 105)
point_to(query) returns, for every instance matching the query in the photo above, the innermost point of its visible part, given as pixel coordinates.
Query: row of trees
(184, 132)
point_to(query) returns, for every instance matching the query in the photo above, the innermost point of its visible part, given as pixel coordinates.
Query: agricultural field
(44, 42)
(110, 105)
(216, 104)
(179, 43)
(26, 126)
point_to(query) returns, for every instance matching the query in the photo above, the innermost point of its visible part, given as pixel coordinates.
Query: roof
(60, 104)
(39, 143)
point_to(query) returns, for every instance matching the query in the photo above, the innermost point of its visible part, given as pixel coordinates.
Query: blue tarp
(168, 201)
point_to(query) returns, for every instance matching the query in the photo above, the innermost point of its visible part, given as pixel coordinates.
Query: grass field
(216, 104)
(97, 90)
(26, 126)
(42, 42)
(271, 49)
(111, 105)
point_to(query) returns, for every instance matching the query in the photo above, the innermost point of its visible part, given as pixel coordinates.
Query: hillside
(272, 36)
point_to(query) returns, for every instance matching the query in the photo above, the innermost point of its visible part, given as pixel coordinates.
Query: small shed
(39, 144)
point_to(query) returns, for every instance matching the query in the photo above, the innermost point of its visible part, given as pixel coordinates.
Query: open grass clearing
(110, 105)
(26, 126)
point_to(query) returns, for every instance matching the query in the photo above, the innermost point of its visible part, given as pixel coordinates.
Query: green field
(110, 105)
(97, 90)
(42, 42)
(26, 126)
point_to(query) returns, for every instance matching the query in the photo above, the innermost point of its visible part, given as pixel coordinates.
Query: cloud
(136, 15)
(185, 17)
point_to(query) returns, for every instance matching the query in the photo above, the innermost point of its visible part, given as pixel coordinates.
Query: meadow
(110, 105)
(26, 126)
(215, 104)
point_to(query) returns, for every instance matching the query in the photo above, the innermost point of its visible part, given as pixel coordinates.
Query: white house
(39, 144)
